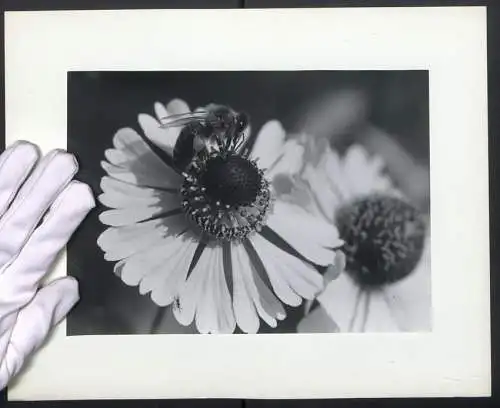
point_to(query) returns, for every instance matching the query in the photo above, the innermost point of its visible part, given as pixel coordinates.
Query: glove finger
(16, 163)
(19, 283)
(47, 309)
(46, 182)
(6, 325)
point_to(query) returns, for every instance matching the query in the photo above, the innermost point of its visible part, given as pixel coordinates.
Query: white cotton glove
(40, 208)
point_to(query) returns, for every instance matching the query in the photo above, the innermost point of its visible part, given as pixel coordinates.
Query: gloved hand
(40, 208)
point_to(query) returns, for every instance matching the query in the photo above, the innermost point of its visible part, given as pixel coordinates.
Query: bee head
(241, 121)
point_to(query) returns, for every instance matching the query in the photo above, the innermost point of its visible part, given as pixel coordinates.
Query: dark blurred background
(387, 111)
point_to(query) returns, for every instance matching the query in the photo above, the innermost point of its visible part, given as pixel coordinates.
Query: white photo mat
(452, 360)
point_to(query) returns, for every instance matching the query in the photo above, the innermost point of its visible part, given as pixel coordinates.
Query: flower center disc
(233, 180)
(384, 239)
(226, 195)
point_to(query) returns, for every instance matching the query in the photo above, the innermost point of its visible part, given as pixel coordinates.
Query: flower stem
(158, 318)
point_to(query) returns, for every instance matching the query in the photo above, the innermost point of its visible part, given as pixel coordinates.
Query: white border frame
(453, 360)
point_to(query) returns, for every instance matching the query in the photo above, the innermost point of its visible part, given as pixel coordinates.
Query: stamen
(225, 195)
(384, 238)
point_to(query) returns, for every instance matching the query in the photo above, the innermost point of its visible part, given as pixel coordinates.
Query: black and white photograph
(305, 188)
(252, 202)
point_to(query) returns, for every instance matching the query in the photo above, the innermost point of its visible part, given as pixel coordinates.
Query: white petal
(315, 147)
(379, 317)
(165, 199)
(206, 311)
(358, 171)
(244, 309)
(133, 204)
(157, 261)
(299, 276)
(171, 133)
(326, 199)
(192, 290)
(317, 321)
(141, 174)
(336, 268)
(299, 193)
(118, 268)
(269, 144)
(410, 300)
(118, 194)
(176, 106)
(226, 320)
(129, 146)
(121, 242)
(280, 286)
(264, 299)
(265, 303)
(290, 161)
(165, 287)
(113, 237)
(134, 162)
(140, 264)
(128, 216)
(341, 300)
(355, 159)
(153, 265)
(214, 312)
(332, 167)
(376, 171)
(160, 111)
(164, 138)
(311, 236)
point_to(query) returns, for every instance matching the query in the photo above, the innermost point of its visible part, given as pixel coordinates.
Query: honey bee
(214, 127)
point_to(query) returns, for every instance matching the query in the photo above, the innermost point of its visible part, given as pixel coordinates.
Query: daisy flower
(208, 235)
(382, 282)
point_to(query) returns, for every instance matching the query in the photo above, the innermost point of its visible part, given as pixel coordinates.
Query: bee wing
(182, 119)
